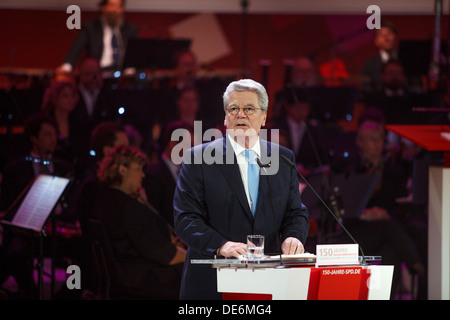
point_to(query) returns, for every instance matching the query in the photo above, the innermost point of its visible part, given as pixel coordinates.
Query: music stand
(355, 190)
(153, 53)
(35, 205)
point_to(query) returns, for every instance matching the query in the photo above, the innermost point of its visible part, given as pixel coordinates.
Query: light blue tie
(253, 178)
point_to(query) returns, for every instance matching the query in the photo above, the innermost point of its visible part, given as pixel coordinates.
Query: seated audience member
(17, 175)
(161, 178)
(305, 136)
(104, 137)
(396, 103)
(378, 230)
(43, 136)
(93, 106)
(304, 73)
(385, 40)
(209, 90)
(60, 100)
(145, 249)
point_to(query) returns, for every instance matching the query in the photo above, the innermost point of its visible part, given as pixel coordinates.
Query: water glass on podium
(255, 246)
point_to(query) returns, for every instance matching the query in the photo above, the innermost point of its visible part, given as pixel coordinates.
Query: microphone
(292, 164)
(264, 166)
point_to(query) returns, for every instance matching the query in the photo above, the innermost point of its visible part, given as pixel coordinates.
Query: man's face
(188, 103)
(371, 140)
(241, 124)
(113, 11)
(187, 67)
(393, 76)
(304, 73)
(45, 142)
(385, 39)
(90, 75)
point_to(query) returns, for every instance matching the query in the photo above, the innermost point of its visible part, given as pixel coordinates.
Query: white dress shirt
(242, 162)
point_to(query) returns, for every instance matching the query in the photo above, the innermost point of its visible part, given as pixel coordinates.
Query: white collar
(238, 149)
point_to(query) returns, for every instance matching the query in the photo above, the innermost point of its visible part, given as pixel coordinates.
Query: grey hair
(247, 85)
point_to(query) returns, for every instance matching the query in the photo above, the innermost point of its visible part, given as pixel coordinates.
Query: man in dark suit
(105, 38)
(216, 205)
(385, 40)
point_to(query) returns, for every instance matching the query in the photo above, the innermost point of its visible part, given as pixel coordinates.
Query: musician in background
(105, 38)
(304, 74)
(161, 178)
(17, 175)
(385, 40)
(149, 257)
(305, 135)
(378, 230)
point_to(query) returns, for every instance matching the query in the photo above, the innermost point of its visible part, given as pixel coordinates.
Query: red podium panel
(351, 281)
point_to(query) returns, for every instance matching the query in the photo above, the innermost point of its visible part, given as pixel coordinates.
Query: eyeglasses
(247, 110)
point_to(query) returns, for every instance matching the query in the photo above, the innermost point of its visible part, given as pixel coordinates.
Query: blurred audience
(305, 136)
(385, 41)
(149, 258)
(59, 101)
(161, 178)
(304, 74)
(21, 249)
(378, 230)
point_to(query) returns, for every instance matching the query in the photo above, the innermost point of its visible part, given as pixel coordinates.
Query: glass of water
(255, 246)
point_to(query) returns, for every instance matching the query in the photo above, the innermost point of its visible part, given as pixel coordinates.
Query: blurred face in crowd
(121, 140)
(393, 76)
(370, 140)
(187, 67)
(304, 73)
(188, 104)
(90, 75)
(66, 99)
(132, 175)
(112, 10)
(242, 124)
(385, 39)
(298, 112)
(45, 142)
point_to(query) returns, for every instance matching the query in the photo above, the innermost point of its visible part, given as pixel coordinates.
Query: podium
(435, 138)
(299, 279)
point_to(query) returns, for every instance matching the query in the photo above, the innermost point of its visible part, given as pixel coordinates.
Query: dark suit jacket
(211, 208)
(372, 69)
(160, 186)
(141, 243)
(90, 38)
